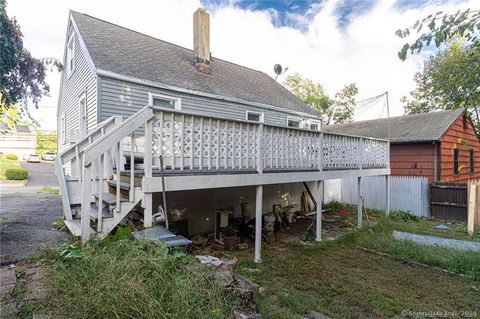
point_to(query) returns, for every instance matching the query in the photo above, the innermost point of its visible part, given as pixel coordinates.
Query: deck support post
(258, 223)
(86, 202)
(319, 210)
(148, 159)
(359, 203)
(387, 194)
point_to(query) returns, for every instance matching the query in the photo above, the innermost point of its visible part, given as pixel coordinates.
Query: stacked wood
(473, 210)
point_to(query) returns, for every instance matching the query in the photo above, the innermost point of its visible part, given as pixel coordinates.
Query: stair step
(75, 227)
(110, 198)
(94, 214)
(123, 185)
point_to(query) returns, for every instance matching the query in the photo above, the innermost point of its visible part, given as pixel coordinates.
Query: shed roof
(126, 52)
(414, 128)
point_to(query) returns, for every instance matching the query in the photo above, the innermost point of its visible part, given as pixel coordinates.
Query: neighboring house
(442, 146)
(131, 104)
(19, 140)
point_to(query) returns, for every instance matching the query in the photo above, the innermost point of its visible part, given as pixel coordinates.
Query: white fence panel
(407, 193)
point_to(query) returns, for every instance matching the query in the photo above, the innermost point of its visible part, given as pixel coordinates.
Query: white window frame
(261, 114)
(293, 118)
(317, 122)
(63, 130)
(71, 55)
(177, 100)
(82, 100)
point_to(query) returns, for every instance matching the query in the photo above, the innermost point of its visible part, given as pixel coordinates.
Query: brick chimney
(201, 40)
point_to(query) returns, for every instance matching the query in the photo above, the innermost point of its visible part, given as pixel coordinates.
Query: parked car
(33, 158)
(48, 156)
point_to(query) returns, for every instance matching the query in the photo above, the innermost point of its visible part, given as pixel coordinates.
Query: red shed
(442, 146)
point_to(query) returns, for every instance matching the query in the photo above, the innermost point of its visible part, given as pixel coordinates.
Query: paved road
(40, 174)
(26, 225)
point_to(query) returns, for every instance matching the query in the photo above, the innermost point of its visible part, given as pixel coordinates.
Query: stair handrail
(110, 141)
(62, 158)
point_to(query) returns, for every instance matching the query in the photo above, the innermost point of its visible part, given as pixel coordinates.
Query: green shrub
(12, 157)
(16, 174)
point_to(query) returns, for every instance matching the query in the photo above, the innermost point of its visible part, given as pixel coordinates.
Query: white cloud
(365, 52)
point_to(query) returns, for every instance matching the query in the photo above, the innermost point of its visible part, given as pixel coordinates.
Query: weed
(71, 251)
(406, 216)
(59, 223)
(50, 190)
(3, 221)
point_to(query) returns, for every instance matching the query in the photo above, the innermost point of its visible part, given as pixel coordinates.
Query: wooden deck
(198, 152)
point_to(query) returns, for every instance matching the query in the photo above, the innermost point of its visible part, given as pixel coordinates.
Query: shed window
(455, 161)
(71, 54)
(472, 163)
(164, 101)
(254, 116)
(294, 122)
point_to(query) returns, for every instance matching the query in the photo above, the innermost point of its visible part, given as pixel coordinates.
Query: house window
(314, 125)
(71, 55)
(455, 161)
(62, 130)
(254, 116)
(472, 163)
(164, 101)
(294, 122)
(83, 113)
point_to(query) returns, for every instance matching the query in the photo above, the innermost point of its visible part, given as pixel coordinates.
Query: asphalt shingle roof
(413, 128)
(130, 53)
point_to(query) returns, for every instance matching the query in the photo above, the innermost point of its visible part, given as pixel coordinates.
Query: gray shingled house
(139, 118)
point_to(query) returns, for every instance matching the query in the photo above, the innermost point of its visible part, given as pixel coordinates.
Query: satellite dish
(278, 69)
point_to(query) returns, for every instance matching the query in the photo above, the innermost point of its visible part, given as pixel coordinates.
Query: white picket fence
(407, 193)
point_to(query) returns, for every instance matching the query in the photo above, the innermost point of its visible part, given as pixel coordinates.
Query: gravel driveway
(26, 225)
(40, 174)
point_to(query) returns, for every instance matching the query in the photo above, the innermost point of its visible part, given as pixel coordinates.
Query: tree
(441, 28)
(337, 110)
(449, 80)
(22, 77)
(46, 142)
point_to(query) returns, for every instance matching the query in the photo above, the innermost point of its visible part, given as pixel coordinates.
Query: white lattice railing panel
(189, 141)
(340, 152)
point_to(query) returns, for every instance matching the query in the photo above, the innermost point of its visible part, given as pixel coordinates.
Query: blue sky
(298, 13)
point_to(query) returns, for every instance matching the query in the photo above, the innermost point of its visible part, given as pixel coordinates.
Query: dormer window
(314, 125)
(254, 116)
(164, 101)
(71, 54)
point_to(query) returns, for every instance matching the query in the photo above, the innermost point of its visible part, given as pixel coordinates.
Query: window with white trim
(82, 105)
(314, 125)
(294, 122)
(71, 54)
(63, 136)
(164, 101)
(254, 116)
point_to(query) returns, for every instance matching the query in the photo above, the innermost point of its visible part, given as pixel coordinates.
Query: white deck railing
(193, 142)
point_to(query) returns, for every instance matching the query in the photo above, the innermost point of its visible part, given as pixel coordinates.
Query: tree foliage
(449, 80)
(440, 28)
(334, 110)
(46, 142)
(22, 77)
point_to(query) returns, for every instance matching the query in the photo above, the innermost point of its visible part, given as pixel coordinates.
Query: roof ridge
(167, 42)
(400, 116)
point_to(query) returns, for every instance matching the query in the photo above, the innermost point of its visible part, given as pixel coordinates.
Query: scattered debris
(442, 226)
(437, 241)
(317, 315)
(161, 234)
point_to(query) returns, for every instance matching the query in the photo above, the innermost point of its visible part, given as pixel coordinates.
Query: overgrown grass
(132, 279)
(7, 164)
(341, 280)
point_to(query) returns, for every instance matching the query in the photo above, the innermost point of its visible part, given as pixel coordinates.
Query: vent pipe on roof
(201, 40)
